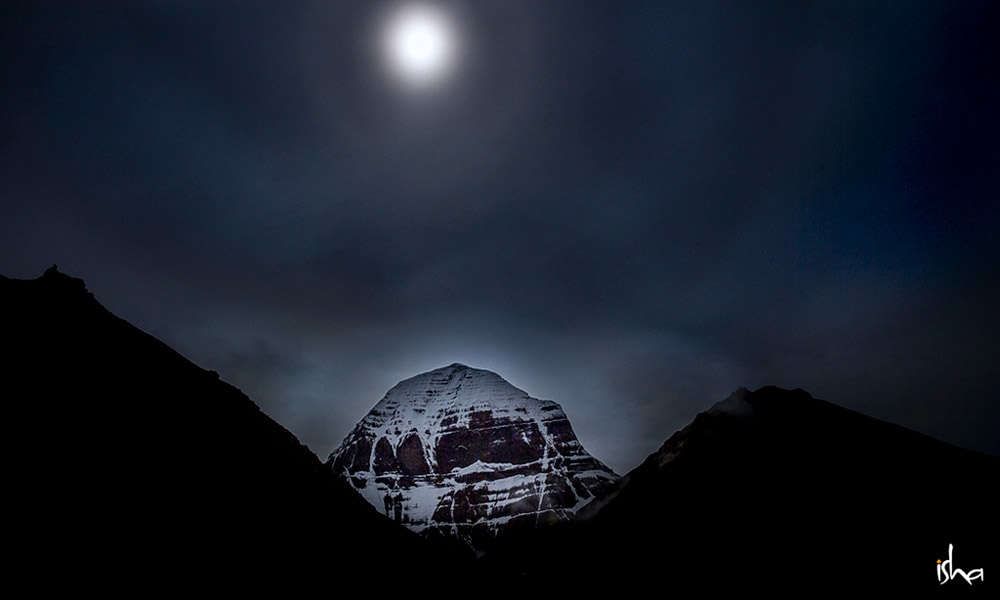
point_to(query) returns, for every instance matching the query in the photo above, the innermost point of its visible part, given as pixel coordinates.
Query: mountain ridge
(159, 471)
(775, 489)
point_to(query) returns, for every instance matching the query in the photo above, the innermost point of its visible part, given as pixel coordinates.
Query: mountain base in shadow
(774, 490)
(128, 466)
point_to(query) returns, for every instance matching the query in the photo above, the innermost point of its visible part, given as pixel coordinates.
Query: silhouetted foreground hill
(127, 466)
(126, 462)
(778, 492)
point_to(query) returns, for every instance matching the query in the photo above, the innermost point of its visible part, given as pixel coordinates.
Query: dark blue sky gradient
(631, 208)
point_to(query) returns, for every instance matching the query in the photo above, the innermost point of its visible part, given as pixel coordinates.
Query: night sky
(631, 208)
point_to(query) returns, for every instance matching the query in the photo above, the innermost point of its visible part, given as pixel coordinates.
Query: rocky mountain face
(461, 452)
(127, 466)
(774, 490)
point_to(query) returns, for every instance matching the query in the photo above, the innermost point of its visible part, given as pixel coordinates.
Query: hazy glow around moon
(419, 43)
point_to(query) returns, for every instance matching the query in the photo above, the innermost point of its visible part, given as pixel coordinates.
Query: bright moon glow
(420, 44)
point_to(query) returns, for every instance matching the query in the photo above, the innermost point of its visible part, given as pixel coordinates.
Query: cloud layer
(629, 210)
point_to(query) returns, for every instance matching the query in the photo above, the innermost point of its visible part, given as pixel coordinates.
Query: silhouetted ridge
(776, 490)
(128, 466)
(126, 462)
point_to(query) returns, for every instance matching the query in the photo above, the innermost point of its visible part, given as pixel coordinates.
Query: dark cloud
(631, 210)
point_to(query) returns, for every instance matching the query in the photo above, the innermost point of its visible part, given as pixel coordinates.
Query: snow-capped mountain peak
(461, 451)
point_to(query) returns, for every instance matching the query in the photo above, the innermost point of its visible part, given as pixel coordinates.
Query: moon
(419, 43)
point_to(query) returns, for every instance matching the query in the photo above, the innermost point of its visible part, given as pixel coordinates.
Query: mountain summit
(460, 451)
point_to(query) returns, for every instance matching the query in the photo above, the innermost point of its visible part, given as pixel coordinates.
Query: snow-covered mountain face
(460, 451)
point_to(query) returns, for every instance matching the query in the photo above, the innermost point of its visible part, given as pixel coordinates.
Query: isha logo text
(946, 570)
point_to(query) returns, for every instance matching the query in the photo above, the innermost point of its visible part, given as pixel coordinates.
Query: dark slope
(125, 461)
(779, 492)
